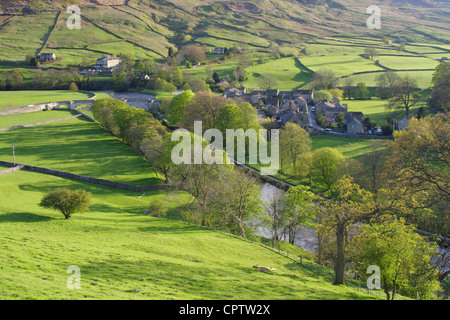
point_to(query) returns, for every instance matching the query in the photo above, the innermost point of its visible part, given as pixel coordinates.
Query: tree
(340, 120)
(240, 199)
(386, 81)
(298, 210)
(177, 107)
(274, 210)
(202, 183)
(370, 174)
(361, 91)
(230, 117)
(205, 107)
(67, 201)
(266, 82)
(371, 52)
(348, 84)
(405, 95)
(402, 255)
(322, 95)
(324, 164)
(193, 53)
(157, 149)
(386, 128)
(216, 77)
(440, 99)
(294, 141)
(14, 79)
(348, 206)
(324, 79)
(73, 86)
(419, 165)
(250, 118)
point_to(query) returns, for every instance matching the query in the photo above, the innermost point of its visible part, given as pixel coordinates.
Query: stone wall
(13, 169)
(108, 183)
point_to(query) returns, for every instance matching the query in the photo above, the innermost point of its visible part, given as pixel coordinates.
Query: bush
(156, 208)
(67, 201)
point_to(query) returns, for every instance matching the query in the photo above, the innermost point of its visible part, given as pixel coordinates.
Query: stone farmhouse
(218, 50)
(331, 109)
(353, 122)
(46, 57)
(107, 62)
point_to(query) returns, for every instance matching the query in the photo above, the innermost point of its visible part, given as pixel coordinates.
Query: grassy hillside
(80, 147)
(124, 254)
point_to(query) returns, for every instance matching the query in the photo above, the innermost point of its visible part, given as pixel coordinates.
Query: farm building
(46, 57)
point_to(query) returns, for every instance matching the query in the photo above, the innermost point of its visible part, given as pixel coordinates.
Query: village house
(107, 62)
(353, 123)
(218, 50)
(330, 109)
(46, 57)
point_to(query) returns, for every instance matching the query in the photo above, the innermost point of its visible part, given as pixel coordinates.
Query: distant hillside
(148, 28)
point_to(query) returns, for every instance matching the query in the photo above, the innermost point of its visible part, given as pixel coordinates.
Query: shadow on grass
(23, 217)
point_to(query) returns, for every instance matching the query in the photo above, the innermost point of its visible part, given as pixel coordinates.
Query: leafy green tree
(177, 106)
(230, 117)
(402, 255)
(294, 141)
(324, 164)
(361, 91)
(73, 86)
(418, 165)
(324, 79)
(349, 205)
(322, 95)
(66, 201)
(298, 210)
(441, 87)
(386, 128)
(216, 77)
(240, 199)
(405, 95)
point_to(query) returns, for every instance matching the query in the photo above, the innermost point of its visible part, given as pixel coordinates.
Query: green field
(80, 147)
(26, 118)
(406, 63)
(22, 98)
(288, 73)
(349, 147)
(341, 65)
(423, 78)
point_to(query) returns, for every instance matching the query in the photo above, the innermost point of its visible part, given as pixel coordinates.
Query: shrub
(67, 201)
(156, 208)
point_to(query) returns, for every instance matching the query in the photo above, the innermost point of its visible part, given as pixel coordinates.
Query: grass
(341, 64)
(349, 147)
(423, 78)
(405, 63)
(288, 72)
(80, 147)
(123, 254)
(21, 98)
(26, 118)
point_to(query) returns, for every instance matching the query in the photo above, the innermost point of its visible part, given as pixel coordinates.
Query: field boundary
(69, 175)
